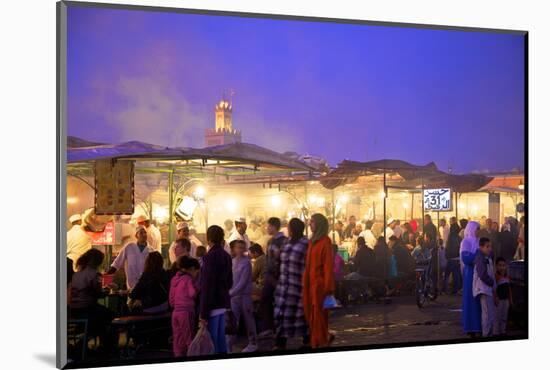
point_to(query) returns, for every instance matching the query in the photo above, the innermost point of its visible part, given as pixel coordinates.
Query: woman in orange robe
(318, 281)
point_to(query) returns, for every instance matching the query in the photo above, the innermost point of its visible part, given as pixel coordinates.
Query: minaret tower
(223, 133)
(223, 111)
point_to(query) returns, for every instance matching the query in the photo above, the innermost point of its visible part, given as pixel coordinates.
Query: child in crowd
(484, 286)
(241, 294)
(201, 251)
(182, 299)
(338, 264)
(338, 272)
(182, 247)
(504, 294)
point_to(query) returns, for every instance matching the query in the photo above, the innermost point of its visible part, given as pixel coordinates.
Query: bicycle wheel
(420, 292)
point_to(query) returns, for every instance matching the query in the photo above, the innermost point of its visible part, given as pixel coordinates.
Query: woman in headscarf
(318, 281)
(508, 244)
(471, 307)
(289, 310)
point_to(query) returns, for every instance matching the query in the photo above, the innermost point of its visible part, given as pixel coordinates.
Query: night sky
(338, 91)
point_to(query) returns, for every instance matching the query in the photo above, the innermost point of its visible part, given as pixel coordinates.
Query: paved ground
(395, 322)
(400, 321)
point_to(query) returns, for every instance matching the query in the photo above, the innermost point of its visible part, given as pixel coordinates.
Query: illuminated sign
(106, 237)
(114, 187)
(437, 200)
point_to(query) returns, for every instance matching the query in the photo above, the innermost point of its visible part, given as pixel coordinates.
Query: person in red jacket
(318, 281)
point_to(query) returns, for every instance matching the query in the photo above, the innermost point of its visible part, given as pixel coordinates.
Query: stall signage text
(438, 200)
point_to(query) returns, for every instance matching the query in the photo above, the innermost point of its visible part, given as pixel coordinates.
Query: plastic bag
(330, 302)
(202, 344)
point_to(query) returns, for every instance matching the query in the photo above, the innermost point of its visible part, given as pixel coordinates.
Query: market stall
(212, 184)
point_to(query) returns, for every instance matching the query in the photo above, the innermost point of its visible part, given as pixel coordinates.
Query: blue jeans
(216, 327)
(453, 267)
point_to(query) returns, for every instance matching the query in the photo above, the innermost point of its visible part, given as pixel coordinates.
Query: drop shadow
(46, 358)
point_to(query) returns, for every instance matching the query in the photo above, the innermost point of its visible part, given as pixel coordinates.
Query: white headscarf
(470, 243)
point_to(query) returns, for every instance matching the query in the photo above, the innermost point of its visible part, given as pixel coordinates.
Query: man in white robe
(132, 258)
(239, 233)
(154, 238)
(183, 231)
(78, 241)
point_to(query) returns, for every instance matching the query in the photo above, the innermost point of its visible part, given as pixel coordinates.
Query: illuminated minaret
(224, 132)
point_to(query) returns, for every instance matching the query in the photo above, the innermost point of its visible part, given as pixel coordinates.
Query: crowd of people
(277, 291)
(276, 276)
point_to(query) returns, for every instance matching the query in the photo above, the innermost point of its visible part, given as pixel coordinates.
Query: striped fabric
(289, 313)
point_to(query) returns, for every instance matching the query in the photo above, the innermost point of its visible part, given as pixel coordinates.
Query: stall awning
(413, 175)
(237, 152)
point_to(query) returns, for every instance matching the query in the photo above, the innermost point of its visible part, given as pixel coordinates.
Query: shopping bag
(231, 324)
(202, 343)
(330, 302)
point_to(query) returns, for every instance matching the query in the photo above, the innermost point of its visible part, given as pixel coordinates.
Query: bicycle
(425, 287)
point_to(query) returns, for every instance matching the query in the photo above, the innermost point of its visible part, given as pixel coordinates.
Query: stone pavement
(396, 322)
(400, 321)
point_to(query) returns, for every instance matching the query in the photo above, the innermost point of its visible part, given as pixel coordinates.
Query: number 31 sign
(438, 200)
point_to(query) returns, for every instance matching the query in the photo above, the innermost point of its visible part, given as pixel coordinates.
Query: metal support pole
(412, 206)
(456, 205)
(305, 214)
(422, 198)
(385, 196)
(516, 206)
(170, 206)
(437, 256)
(205, 216)
(109, 255)
(333, 216)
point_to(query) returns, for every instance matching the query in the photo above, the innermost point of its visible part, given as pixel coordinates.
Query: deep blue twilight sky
(338, 91)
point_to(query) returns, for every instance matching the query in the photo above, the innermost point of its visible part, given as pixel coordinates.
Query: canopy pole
(333, 216)
(412, 206)
(422, 222)
(205, 215)
(456, 205)
(385, 195)
(170, 206)
(306, 211)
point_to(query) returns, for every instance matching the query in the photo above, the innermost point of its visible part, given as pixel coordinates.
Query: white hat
(390, 221)
(140, 227)
(181, 226)
(240, 220)
(74, 218)
(142, 218)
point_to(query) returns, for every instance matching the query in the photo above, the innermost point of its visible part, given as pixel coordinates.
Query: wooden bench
(141, 326)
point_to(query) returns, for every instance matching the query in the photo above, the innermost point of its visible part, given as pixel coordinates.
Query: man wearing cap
(254, 233)
(132, 258)
(370, 239)
(389, 229)
(239, 233)
(153, 234)
(183, 232)
(78, 242)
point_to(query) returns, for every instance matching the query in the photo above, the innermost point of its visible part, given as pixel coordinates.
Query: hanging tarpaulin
(114, 187)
